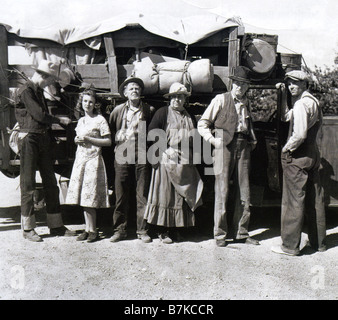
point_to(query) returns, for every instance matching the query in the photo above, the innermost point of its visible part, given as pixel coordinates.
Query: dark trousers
(35, 154)
(303, 198)
(125, 175)
(236, 163)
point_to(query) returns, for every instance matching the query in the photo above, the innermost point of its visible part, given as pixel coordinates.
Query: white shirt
(130, 122)
(210, 114)
(243, 115)
(302, 117)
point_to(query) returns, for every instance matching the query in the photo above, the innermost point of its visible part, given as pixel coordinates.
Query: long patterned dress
(88, 186)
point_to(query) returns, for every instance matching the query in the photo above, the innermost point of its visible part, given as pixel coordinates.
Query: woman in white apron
(176, 186)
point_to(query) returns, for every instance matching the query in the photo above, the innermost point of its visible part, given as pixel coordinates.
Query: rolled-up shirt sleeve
(300, 127)
(286, 114)
(208, 118)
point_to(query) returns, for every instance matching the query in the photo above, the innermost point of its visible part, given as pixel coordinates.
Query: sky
(308, 27)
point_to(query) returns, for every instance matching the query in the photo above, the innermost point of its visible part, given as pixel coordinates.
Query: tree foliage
(263, 104)
(324, 87)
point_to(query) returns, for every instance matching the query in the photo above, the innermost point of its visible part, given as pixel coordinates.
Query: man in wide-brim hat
(47, 69)
(240, 74)
(35, 151)
(233, 140)
(127, 121)
(177, 88)
(131, 79)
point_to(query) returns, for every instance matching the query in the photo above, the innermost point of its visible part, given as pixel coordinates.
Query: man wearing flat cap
(302, 192)
(34, 145)
(233, 139)
(128, 123)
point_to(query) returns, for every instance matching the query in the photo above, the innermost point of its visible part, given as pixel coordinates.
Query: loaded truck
(103, 60)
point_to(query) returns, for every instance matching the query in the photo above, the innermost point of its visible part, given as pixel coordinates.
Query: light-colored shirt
(130, 122)
(302, 117)
(210, 114)
(243, 115)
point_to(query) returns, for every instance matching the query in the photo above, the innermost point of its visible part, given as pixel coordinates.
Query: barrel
(260, 57)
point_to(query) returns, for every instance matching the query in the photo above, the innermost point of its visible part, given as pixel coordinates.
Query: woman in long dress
(176, 186)
(88, 185)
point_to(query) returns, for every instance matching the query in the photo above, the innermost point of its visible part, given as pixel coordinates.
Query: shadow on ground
(267, 220)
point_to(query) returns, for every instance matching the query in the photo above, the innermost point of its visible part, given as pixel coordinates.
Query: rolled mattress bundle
(197, 76)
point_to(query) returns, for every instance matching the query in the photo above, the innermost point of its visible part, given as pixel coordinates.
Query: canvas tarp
(66, 22)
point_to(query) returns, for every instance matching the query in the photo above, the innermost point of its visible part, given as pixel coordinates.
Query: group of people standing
(169, 190)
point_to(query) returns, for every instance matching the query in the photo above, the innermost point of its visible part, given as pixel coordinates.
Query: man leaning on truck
(34, 147)
(302, 192)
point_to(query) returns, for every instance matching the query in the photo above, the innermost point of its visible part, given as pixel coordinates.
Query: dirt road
(62, 268)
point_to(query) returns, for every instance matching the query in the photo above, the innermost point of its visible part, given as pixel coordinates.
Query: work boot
(83, 236)
(31, 235)
(93, 236)
(164, 237)
(144, 238)
(278, 249)
(118, 236)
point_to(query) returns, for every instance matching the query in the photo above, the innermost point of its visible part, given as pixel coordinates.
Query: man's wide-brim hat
(240, 74)
(297, 75)
(130, 80)
(177, 88)
(48, 68)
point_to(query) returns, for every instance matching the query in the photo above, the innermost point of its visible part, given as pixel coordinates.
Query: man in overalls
(303, 195)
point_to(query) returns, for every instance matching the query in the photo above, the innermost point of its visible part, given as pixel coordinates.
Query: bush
(325, 88)
(263, 104)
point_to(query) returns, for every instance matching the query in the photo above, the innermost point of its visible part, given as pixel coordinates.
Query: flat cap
(297, 75)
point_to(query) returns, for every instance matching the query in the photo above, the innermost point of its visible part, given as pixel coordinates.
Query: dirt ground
(62, 268)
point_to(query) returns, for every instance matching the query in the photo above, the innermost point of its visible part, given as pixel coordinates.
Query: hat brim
(295, 79)
(239, 79)
(44, 72)
(129, 80)
(168, 95)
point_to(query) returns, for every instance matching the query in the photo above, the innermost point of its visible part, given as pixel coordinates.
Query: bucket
(260, 58)
(291, 61)
(66, 76)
